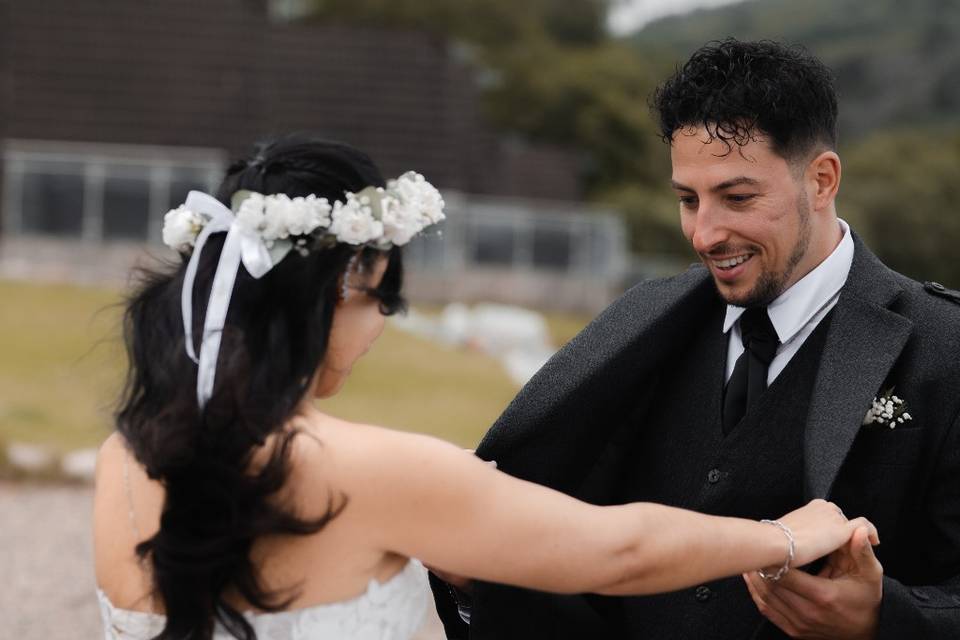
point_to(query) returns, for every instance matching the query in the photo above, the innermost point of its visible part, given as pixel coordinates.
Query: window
(552, 247)
(100, 192)
(52, 200)
(493, 244)
(126, 203)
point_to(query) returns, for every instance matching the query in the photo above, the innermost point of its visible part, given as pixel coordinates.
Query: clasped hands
(842, 601)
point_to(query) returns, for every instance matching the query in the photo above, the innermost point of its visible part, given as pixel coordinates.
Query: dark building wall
(400, 96)
(219, 74)
(5, 84)
(535, 171)
(170, 72)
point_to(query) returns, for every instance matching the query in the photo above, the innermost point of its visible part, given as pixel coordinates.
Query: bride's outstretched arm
(427, 499)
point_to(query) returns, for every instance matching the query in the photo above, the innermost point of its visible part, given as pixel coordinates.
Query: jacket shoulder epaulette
(941, 291)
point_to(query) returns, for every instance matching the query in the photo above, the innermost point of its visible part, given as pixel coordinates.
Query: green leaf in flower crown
(279, 249)
(375, 195)
(238, 199)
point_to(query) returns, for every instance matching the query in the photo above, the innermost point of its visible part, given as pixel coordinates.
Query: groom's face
(745, 213)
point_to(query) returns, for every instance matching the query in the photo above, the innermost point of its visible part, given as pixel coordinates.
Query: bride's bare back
(333, 565)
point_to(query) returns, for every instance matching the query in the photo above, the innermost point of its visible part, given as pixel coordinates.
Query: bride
(228, 506)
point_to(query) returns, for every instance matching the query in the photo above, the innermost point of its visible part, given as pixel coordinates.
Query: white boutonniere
(887, 410)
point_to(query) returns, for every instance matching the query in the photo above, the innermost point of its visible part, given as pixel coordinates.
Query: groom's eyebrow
(726, 184)
(735, 182)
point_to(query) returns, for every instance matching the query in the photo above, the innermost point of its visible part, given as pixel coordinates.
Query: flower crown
(262, 229)
(376, 216)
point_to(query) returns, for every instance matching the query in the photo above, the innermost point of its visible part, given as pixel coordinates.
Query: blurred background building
(112, 111)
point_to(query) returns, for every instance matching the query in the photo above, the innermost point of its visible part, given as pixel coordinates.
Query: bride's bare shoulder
(112, 446)
(325, 438)
(109, 458)
(347, 453)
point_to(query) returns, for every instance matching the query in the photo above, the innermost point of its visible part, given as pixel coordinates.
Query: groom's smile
(730, 263)
(729, 271)
(730, 268)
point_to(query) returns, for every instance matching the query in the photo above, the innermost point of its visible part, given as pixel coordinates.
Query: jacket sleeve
(932, 612)
(929, 612)
(448, 608)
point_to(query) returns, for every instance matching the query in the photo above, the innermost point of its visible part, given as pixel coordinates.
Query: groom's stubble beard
(770, 284)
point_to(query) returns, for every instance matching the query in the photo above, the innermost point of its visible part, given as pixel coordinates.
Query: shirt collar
(796, 306)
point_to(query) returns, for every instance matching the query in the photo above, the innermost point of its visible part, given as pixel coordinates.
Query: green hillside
(897, 62)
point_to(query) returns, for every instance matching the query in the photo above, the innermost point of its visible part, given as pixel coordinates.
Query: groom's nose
(709, 229)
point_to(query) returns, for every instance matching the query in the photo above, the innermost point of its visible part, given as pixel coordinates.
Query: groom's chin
(730, 293)
(756, 294)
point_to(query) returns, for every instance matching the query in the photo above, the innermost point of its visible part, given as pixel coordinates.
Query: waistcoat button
(713, 477)
(703, 593)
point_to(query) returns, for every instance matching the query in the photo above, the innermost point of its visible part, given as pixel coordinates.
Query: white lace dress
(393, 610)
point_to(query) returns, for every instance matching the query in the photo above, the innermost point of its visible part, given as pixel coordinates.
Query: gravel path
(46, 561)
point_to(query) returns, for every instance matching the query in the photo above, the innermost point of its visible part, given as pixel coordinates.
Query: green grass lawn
(62, 366)
(61, 363)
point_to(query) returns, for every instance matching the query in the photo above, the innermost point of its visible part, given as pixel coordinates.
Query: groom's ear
(823, 178)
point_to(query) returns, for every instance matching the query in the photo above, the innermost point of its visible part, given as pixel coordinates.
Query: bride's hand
(820, 528)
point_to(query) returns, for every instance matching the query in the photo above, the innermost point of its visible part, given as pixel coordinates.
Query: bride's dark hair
(274, 339)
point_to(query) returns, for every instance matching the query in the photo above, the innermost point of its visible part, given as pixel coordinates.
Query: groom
(791, 364)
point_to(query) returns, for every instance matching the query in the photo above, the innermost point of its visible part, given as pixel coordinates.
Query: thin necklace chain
(126, 486)
(133, 525)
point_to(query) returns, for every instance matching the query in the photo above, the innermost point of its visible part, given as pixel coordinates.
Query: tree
(899, 191)
(554, 74)
(491, 24)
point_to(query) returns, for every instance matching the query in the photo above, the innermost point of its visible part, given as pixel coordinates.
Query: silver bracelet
(791, 552)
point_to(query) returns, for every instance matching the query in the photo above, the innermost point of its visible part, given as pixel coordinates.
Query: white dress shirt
(799, 309)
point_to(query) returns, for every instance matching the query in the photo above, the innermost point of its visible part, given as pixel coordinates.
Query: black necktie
(749, 379)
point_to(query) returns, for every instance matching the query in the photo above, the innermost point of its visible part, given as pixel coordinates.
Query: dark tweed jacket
(564, 428)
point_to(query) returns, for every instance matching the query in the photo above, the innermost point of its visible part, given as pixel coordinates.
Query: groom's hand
(842, 601)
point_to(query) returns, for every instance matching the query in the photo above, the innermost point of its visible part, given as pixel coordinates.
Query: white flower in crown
(278, 216)
(304, 215)
(409, 205)
(251, 215)
(418, 194)
(400, 222)
(276, 211)
(181, 228)
(353, 221)
(887, 410)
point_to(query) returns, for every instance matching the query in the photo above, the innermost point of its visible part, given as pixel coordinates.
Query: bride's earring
(345, 286)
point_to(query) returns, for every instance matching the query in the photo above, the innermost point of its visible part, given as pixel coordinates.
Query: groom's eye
(688, 202)
(740, 199)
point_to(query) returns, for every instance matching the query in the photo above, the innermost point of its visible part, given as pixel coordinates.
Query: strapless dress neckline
(389, 610)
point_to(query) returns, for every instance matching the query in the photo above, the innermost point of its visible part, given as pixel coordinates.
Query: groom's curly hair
(738, 90)
(216, 504)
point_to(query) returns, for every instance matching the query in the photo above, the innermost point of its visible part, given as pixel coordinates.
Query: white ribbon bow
(241, 245)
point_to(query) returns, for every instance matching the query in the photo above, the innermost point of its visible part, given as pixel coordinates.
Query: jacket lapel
(864, 340)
